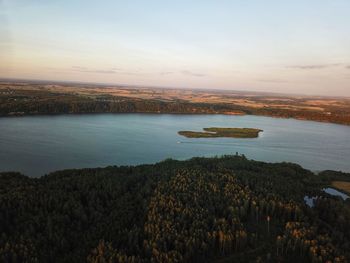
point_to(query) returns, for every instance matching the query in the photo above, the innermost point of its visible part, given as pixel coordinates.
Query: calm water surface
(36, 145)
(335, 192)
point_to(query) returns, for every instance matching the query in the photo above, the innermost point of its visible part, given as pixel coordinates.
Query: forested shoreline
(18, 101)
(126, 105)
(200, 210)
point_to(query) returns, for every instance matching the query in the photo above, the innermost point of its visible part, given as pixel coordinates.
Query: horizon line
(77, 82)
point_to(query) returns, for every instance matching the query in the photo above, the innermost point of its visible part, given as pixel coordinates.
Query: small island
(214, 132)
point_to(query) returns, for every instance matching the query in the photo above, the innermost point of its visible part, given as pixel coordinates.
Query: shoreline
(169, 113)
(314, 172)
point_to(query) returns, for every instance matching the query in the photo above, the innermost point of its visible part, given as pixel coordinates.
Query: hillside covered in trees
(226, 209)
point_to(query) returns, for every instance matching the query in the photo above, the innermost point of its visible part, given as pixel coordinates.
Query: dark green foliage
(201, 210)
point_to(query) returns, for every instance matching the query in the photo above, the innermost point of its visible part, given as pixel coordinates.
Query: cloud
(87, 70)
(137, 72)
(315, 66)
(190, 73)
(166, 73)
(104, 71)
(272, 80)
(184, 72)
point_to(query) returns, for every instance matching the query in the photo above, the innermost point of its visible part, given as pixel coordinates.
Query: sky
(257, 45)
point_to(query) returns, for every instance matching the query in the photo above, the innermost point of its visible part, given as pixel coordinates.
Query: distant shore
(22, 99)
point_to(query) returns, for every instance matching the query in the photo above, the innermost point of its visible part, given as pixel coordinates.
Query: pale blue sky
(264, 45)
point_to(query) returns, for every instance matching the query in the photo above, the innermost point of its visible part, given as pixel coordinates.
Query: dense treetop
(200, 210)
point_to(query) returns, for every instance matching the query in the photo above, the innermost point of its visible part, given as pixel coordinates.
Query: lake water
(335, 192)
(310, 200)
(36, 145)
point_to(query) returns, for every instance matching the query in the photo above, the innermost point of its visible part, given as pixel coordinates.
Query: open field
(22, 98)
(341, 185)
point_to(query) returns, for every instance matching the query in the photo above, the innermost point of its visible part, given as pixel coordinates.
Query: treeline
(43, 102)
(226, 209)
(66, 103)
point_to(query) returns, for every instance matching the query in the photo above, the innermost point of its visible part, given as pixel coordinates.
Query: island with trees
(215, 132)
(224, 209)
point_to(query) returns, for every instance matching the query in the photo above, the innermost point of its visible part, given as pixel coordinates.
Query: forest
(220, 209)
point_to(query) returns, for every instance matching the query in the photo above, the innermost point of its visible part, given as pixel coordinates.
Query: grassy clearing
(341, 185)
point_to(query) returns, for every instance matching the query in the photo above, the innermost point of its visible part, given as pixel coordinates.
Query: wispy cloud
(272, 80)
(190, 73)
(166, 73)
(87, 70)
(105, 71)
(183, 72)
(315, 66)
